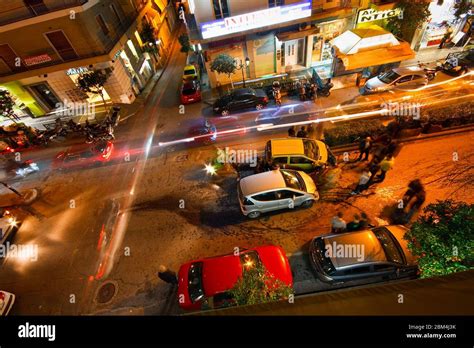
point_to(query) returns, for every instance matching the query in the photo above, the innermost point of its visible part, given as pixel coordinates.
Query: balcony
(18, 11)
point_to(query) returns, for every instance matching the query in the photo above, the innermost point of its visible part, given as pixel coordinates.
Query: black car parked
(240, 99)
(458, 63)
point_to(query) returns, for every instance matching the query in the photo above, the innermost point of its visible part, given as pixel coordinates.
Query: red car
(190, 92)
(84, 155)
(203, 283)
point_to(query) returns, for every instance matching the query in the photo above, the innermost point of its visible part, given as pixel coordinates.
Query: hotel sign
(43, 58)
(253, 20)
(370, 15)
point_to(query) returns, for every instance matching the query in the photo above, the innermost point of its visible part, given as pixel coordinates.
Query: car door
(418, 81)
(404, 81)
(301, 163)
(266, 201)
(289, 199)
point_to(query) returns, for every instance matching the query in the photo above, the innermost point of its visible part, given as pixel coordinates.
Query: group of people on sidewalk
(382, 161)
(339, 225)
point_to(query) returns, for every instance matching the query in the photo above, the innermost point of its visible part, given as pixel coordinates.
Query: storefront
(440, 21)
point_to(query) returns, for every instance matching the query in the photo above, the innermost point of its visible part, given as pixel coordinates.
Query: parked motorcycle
(430, 72)
(301, 90)
(276, 90)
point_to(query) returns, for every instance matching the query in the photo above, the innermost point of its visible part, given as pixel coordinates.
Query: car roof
(409, 70)
(220, 273)
(189, 84)
(287, 146)
(241, 91)
(262, 182)
(373, 250)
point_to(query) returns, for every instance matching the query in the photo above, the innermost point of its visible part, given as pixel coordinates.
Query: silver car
(369, 255)
(275, 190)
(403, 78)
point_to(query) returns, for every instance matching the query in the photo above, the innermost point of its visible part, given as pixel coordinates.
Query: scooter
(26, 168)
(430, 72)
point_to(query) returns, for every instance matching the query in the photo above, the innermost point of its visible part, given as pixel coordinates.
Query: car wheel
(307, 204)
(225, 113)
(259, 106)
(254, 214)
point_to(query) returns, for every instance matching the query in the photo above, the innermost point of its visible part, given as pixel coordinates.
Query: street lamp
(242, 66)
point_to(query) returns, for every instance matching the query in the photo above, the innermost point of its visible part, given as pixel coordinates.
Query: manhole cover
(106, 292)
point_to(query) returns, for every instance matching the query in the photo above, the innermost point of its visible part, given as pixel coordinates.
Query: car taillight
(265, 100)
(10, 149)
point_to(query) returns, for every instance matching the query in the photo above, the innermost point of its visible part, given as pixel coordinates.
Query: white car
(403, 78)
(6, 302)
(275, 190)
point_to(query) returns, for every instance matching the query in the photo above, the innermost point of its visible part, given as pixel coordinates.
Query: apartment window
(61, 44)
(102, 25)
(36, 7)
(115, 12)
(8, 56)
(221, 8)
(275, 3)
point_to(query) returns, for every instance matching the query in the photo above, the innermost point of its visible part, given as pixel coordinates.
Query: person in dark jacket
(292, 131)
(364, 147)
(167, 275)
(302, 132)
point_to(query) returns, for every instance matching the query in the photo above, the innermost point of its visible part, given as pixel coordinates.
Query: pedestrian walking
(338, 224)
(354, 225)
(311, 131)
(167, 275)
(447, 36)
(374, 168)
(292, 131)
(302, 132)
(363, 181)
(364, 147)
(385, 166)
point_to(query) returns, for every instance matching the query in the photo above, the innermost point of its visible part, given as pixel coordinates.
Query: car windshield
(189, 90)
(390, 246)
(311, 149)
(196, 291)
(292, 180)
(388, 77)
(325, 261)
(189, 72)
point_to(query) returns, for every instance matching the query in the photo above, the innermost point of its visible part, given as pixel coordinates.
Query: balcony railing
(22, 12)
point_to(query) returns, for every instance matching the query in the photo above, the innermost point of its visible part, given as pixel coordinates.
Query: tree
(462, 7)
(6, 105)
(185, 44)
(93, 82)
(148, 37)
(443, 238)
(257, 285)
(412, 14)
(224, 64)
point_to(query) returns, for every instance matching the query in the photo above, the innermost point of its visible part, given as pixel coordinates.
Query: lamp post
(242, 66)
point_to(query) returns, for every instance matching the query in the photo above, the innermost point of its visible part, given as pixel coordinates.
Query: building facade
(278, 36)
(46, 44)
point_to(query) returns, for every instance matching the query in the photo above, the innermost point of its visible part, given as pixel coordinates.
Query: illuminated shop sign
(76, 71)
(43, 58)
(370, 15)
(252, 20)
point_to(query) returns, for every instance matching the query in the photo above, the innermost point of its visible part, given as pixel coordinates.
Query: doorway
(45, 94)
(295, 52)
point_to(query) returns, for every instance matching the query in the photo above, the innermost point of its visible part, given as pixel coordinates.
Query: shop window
(61, 44)
(139, 39)
(275, 3)
(221, 8)
(131, 46)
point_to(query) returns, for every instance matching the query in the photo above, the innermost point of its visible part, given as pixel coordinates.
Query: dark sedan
(241, 99)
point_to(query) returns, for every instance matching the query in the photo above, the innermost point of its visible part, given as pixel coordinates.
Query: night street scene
(203, 158)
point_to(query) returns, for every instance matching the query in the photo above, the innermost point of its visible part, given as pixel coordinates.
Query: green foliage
(349, 132)
(443, 238)
(448, 116)
(414, 13)
(462, 7)
(224, 64)
(92, 81)
(6, 105)
(185, 44)
(148, 37)
(258, 286)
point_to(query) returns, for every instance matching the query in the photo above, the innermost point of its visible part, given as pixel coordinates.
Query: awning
(360, 48)
(296, 34)
(377, 56)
